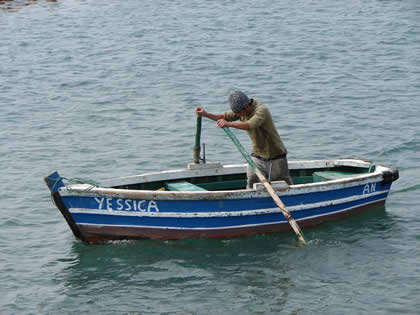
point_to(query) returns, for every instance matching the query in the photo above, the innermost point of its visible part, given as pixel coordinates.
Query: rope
(70, 181)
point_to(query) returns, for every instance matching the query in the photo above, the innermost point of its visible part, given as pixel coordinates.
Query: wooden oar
(267, 185)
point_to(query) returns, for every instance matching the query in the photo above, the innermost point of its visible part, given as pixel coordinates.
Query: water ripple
(104, 89)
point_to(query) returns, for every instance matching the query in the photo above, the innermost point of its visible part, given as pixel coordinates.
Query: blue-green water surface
(100, 89)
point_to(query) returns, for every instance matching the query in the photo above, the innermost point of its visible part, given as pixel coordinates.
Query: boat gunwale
(228, 169)
(86, 190)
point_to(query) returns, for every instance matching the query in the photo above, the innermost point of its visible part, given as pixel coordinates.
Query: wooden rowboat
(211, 200)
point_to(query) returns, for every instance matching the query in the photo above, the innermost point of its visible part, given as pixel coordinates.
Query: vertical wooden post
(196, 148)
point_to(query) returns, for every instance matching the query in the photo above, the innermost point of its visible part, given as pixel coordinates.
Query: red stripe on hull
(95, 234)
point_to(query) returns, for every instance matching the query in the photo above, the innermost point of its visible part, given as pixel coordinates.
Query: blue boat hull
(99, 215)
(93, 233)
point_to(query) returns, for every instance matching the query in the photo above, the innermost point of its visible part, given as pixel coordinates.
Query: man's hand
(223, 123)
(200, 111)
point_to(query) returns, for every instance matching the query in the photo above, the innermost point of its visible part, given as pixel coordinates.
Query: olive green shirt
(265, 139)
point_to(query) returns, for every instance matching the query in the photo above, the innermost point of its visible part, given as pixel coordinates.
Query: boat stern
(390, 175)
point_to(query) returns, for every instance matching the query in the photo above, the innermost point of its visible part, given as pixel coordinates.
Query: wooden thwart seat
(183, 186)
(330, 175)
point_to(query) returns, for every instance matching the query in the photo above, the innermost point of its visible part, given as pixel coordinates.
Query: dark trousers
(273, 170)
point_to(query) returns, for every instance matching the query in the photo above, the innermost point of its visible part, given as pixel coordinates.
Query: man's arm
(234, 124)
(221, 122)
(201, 112)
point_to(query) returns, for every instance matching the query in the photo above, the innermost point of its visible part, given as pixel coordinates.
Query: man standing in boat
(268, 151)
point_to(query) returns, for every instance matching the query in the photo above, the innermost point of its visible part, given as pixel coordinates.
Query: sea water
(101, 89)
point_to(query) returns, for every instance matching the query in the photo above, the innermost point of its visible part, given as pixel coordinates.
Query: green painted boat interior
(238, 181)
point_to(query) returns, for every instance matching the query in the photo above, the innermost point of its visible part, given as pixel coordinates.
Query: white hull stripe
(224, 213)
(226, 227)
